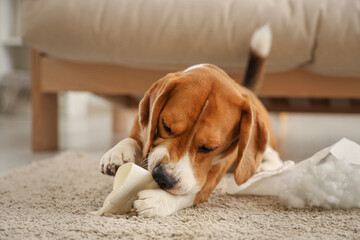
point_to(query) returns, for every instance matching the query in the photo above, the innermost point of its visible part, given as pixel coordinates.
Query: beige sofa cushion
(337, 42)
(322, 36)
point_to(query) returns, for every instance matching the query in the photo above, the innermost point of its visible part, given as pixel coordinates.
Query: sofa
(118, 48)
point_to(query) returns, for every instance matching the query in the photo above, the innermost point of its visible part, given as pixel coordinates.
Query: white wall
(13, 54)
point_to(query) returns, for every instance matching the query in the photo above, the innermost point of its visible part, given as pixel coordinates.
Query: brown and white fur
(192, 126)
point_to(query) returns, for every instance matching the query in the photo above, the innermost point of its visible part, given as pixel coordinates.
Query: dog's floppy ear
(252, 142)
(150, 107)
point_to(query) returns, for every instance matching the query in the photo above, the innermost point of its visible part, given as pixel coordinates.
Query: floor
(300, 135)
(91, 134)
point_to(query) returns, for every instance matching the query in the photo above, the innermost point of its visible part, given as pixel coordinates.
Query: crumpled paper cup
(129, 180)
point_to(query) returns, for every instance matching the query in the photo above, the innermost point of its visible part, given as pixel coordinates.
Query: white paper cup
(129, 180)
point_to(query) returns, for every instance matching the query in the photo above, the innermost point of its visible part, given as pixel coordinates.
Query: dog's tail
(259, 51)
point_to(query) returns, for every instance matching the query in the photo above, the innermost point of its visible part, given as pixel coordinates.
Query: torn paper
(329, 179)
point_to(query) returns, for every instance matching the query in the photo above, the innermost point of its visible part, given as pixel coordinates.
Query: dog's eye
(204, 149)
(166, 127)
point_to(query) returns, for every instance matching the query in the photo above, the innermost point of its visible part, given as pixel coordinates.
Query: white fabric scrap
(328, 179)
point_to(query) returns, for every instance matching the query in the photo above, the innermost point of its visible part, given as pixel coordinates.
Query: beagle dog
(192, 126)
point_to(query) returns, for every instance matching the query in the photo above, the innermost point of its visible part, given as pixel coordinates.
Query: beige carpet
(50, 200)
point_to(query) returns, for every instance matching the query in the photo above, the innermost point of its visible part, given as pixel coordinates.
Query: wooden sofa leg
(119, 120)
(123, 119)
(44, 111)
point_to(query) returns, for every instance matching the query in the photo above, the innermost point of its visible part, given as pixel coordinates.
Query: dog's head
(194, 119)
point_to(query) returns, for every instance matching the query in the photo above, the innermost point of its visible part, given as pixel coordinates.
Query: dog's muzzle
(163, 180)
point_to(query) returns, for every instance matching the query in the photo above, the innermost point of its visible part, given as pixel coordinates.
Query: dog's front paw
(125, 151)
(154, 202)
(157, 202)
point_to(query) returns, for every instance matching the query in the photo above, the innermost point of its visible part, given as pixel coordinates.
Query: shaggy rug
(51, 199)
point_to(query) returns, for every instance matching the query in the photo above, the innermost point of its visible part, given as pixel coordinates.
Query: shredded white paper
(329, 179)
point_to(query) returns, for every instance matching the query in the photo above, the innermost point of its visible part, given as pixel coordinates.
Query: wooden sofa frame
(51, 76)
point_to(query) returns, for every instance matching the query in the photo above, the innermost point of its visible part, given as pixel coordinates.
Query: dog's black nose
(162, 179)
